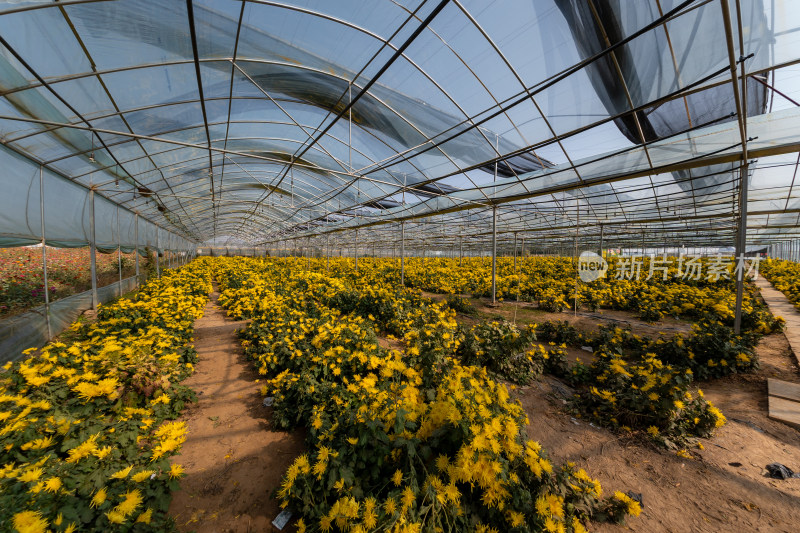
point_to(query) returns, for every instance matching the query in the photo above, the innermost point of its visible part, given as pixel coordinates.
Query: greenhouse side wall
(30, 329)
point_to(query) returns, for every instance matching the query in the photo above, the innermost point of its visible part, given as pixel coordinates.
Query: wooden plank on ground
(783, 389)
(779, 305)
(785, 411)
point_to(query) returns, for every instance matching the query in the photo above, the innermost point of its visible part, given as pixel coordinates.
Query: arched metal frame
(221, 184)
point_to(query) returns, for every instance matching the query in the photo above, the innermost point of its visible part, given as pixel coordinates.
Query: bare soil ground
(234, 459)
(723, 488)
(232, 456)
(585, 321)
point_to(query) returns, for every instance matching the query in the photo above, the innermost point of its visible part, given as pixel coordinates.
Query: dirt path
(233, 460)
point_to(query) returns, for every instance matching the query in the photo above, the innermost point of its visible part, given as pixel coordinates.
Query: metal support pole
(355, 250)
(402, 254)
(158, 259)
(601, 241)
(119, 253)
(136, 248)
(460, 249)
(494, 252)
(44, 257)
(577, 226)
(494, 225)
(93, 251)
(642, 243)
(515, 252)
(741, 113)
(327, 253)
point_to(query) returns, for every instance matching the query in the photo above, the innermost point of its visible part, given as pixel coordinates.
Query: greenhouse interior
(399, 265)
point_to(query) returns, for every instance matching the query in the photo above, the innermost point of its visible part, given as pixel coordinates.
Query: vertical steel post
(740, 99)
(460, 249)
(403, 254)
(355, 250)
(119, 253)
(158, 260)
(494, 251)
(92, 251)
(494, 225)
(577, 226)
(350, 128)
(515, 252)
(327, 252)
(136, 248)
(44, 256)
(642, 243)
(601, 241)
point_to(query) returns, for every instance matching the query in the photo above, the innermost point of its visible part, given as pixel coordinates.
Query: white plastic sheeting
(30, 329)
(67, 213)
(251, 122)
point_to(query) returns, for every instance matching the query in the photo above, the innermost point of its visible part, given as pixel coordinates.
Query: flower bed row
(549, 282)
(399, 441)
(635, 382)
(84, 438)
(616, 389)
(784, 276)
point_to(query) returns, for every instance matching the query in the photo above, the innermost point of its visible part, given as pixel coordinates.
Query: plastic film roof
(253, 122)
